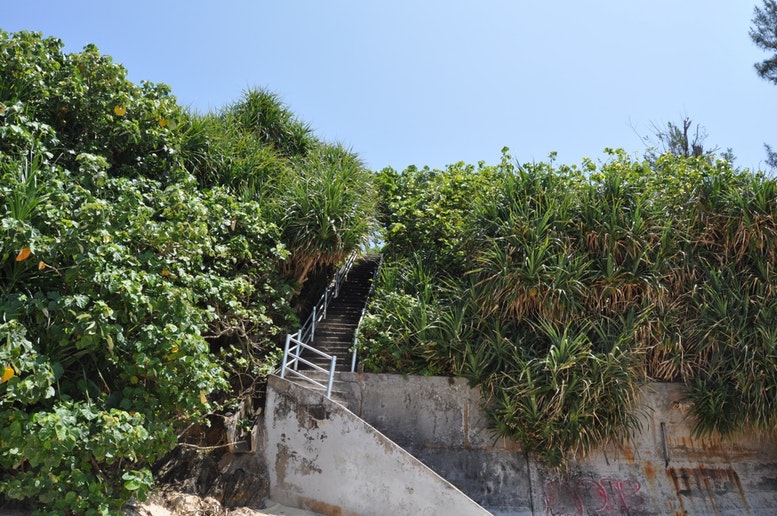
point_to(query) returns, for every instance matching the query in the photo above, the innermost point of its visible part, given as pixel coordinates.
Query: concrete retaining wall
(440, 421)
(323, 458)
(663, 470)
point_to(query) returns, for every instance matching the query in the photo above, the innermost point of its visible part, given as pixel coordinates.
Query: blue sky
(433, 82)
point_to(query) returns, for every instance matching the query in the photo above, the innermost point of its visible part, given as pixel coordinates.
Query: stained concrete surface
(665, 470)
(323, 458)
(662, 470)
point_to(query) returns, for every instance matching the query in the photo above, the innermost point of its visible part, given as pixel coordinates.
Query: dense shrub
(100, 307)
(143, 272)
(560, 290)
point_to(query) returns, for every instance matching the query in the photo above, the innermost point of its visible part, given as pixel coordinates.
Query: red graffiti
(587, 496)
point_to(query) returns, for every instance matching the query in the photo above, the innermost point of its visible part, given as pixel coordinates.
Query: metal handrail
(307, 333)
(375, 277)
(295, 353)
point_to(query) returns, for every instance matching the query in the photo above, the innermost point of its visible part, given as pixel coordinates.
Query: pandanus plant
(578, 288)
(325, 208)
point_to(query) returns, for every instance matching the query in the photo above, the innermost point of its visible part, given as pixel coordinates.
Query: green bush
(560, 290)
(97, 281)
(147, 264)
(127, 291)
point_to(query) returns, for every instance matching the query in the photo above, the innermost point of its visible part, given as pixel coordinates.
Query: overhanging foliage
(143, 275)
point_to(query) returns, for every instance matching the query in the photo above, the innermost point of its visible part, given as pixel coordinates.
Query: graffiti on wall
(720, 487)
(596, 497)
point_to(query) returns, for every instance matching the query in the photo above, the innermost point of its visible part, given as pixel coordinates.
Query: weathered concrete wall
(663, 470)
(440, 421)
(323, 458)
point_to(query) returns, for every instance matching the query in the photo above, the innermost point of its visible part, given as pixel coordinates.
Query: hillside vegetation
(150, 259)
(560, 290)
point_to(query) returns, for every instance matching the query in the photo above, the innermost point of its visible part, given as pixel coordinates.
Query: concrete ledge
(662, 470)
(665, 470)
(440, 420)
(323, 458)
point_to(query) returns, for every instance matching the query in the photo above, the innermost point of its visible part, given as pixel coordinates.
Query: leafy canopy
(764, 35)
(145, 260)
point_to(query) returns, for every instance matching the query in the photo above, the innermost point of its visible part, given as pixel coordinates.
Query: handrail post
(313, 325)
(353, 358)
(331, 377)
(285, 356)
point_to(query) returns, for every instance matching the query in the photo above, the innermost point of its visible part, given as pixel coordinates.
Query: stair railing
(292, 357)
(307, 332)
(298, 342)
(375, 277)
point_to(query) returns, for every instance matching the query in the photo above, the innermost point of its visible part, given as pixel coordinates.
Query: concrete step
(341, 392)
(333, 345)
(333, 339)
(337, 325)
(353, 306)
(334, 334)
(353, 310)
(342, 363)
(340, 329)
(341, 317)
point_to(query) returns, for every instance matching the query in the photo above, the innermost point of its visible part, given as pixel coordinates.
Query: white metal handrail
(293, 357)
(375, 277)
(307, 332)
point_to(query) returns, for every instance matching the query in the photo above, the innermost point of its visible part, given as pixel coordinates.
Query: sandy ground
(273, 509)
(179, 504)
(188, 505)
(276, 508)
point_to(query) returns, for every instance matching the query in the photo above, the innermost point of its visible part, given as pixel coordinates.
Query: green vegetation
(151, 259)
(149, 262)
(561, 290)
(764, 34)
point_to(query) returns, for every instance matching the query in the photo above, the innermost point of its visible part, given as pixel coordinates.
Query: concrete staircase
(310, 436)
(322, 457)
(334, 334)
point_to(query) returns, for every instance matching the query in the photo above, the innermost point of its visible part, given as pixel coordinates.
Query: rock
(232, 479)
(242, 481)
(173, 503)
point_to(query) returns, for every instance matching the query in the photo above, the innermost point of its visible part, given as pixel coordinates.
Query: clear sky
(433, 82)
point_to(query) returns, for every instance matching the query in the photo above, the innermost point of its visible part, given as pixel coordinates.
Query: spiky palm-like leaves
(263, 114)
(319, 194)
(246, 147)
(325, 208)
(570, 290)
(562, 396)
